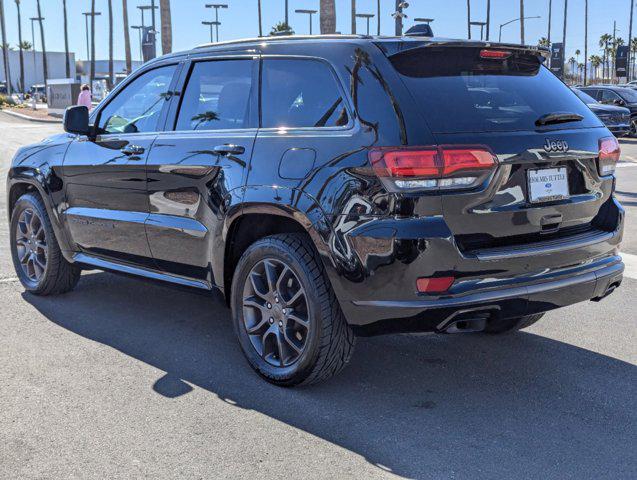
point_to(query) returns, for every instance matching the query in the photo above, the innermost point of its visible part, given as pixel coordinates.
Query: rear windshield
(458, 91)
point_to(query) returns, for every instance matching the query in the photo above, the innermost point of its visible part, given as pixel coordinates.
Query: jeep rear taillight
(609, 152)
(432, 168)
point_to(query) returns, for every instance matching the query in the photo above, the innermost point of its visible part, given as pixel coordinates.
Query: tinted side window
(136, 109)
(300, 93)
(608, 96)
(217, 96)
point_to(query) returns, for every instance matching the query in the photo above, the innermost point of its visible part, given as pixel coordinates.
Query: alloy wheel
(31, 245)
(275, 312)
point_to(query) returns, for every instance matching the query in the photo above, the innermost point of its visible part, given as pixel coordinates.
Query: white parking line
(630, 261)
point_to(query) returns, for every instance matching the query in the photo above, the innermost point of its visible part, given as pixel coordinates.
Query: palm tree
(127, 52)
(564, 31)
(596, 61)
(66, 41)
(111, 70)
(260, 18)
(166, 27)
(5, 49)
(544, 42)
(328, 16)
(377, 19)
(604, 42)
(522, 22)
(20, 46)
(25, 45)
(281, 28)
(45, 65)
(585, 38)
(633, 48)
(92, 76)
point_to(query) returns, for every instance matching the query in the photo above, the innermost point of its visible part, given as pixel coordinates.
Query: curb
(31, 119)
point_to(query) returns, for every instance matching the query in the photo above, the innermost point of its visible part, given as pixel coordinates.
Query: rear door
(105, 176)
(197, 166)
(547, 182)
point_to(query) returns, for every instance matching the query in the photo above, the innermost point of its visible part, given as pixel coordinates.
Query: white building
(33, 74)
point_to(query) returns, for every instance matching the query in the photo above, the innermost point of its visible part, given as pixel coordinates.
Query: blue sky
(240, 20)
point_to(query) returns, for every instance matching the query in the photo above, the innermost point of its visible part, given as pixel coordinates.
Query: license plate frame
(547, 190)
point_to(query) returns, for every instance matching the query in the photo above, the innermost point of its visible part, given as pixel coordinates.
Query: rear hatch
(546, 183)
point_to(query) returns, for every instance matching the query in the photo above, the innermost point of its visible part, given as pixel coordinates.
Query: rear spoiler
(392, 49)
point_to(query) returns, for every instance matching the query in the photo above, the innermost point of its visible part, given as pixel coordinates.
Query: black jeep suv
(332, 186)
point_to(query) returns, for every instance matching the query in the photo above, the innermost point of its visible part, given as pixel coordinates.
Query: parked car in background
(332, 186)
(616, 119)
(618, 96)
(38, 92)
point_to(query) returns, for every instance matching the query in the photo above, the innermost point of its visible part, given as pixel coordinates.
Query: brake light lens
(495, 54)
(609, 153)
(432, 168)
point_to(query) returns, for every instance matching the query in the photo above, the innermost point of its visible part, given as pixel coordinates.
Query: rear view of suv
(331, 187)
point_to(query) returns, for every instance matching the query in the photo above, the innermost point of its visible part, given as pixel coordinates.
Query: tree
(127, 51)
(45, 65)
(596, 61)
(281, 28)
(633, 49)
(20, 46)
(111, 70)
(92, 75)
(469, 19)
(260, 18)
(25, 45)
(327, 16)
(166, 27)
(5, 49)
(604, 42)
(66, 41)
(353, 10)
(544, 42)
(585, 38)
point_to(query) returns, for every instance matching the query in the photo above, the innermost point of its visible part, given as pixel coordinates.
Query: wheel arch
(259, 219)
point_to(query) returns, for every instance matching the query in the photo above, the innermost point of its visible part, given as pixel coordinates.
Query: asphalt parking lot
(125, 379)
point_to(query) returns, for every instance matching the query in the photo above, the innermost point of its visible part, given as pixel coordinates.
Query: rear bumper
(508, 302)
(378, 292)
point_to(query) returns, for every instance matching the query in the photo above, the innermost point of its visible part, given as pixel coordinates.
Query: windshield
(458, 91)
(627, 94)
(584, 97)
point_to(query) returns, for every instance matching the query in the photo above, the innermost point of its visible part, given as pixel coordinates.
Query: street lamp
(86, 15)
(211, 24)
(366, 16)
(35, 68)
(216, 6)
(511, 21)
(423, 20)
(309, 13)
(140, 29)
(481, 25)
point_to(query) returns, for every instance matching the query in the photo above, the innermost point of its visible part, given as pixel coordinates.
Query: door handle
(130, 150)
(229, 149)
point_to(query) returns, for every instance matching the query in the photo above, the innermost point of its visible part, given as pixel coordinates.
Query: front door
(105, 176)
(197, 167)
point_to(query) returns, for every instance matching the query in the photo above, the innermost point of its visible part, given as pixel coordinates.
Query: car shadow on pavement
(472, 406)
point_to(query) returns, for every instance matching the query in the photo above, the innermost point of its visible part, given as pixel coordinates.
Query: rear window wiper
(558, 117)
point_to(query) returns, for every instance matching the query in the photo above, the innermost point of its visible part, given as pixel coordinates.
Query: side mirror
(76, 120)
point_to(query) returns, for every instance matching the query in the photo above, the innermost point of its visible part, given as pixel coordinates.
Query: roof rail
(277, 38)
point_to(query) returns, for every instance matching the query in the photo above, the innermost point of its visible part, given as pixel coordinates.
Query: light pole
(211, 24)
(481, 25)
(216, 6)
(35, 67)
(511, 21)
(366, 16)
(423, 20)
(309, 13)
(139, 28)
(86, 16)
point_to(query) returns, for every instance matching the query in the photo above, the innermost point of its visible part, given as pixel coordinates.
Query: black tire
(328, 342)
(508, 325)
(56, 276)
(633, 127)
